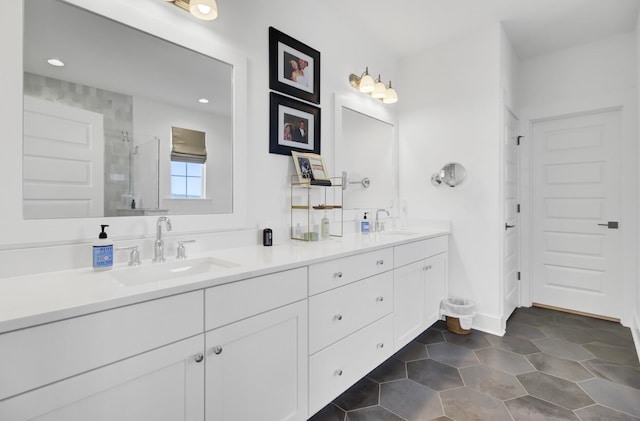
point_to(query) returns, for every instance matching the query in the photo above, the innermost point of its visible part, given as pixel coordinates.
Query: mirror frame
(157, 18)
(379, 111)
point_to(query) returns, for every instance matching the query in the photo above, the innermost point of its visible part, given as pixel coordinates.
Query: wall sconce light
(376, 88)
(201, 9)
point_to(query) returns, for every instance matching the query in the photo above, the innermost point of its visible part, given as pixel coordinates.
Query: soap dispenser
(102, 252)
(325, 227)
(364, 224)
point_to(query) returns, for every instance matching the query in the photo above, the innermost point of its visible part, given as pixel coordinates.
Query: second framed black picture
(294, 68)
(294, 126)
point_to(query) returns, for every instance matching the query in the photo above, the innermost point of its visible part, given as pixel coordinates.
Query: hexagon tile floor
(548, 366)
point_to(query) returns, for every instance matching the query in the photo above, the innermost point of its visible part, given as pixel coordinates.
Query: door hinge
(518, 276)
(518, 140)
(518, 208)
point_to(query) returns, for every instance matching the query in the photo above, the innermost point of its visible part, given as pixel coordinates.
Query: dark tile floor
(548, 366)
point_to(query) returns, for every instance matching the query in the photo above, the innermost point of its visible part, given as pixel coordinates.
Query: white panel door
(257, 368)
(166, 384)
(511, 231)
(576, 191)
(63, 171)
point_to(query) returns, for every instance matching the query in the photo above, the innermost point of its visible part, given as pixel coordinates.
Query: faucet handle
(134, 256)
(181, 249)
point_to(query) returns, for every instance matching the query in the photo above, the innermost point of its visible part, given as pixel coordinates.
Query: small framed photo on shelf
(311, 167)
(294, 126)
(294, 68)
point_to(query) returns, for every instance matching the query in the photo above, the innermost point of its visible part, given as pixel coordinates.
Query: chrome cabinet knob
(380, 299)
(198, 357)
(217, 350)
(337, 275)
(380, 345)
(338, 372)
(337, 317)
(380, 262)
(428, 267)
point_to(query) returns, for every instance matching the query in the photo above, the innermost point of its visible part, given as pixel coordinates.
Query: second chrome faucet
(158, 247)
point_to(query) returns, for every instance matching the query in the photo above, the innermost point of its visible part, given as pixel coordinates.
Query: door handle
(507, 226)
(612, 225)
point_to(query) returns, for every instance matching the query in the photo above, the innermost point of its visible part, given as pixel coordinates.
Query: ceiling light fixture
(55, 62)
(375, 88)
(201, 9)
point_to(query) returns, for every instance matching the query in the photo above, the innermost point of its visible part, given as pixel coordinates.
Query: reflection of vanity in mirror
(98, 130)
(366, 150)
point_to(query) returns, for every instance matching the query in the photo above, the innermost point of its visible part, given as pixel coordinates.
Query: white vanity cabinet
(350, 322)
(256, 349)
(129, 363)
(420, 283)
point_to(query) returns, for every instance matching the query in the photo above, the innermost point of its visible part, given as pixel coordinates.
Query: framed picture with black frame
(294, 126)
(294, 68)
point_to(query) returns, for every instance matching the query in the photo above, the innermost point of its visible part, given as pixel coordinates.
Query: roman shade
(188, 145)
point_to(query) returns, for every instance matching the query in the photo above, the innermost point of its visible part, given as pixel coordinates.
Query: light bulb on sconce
(379, 90)
(366, 83)
(375, 89)
(390, 97)
(201, 9)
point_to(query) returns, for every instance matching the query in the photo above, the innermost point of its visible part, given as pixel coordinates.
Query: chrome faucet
(379, 226)
(158, 247)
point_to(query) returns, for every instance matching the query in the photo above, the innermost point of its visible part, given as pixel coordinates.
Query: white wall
(593, 76)
(637, 275)
(452, 114)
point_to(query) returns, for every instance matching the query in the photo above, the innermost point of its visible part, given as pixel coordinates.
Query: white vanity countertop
(36, 299)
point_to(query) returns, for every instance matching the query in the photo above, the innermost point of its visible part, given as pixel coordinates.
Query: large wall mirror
(98, 130)
(366, 150)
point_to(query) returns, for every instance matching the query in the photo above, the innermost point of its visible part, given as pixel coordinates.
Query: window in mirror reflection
(187, 180)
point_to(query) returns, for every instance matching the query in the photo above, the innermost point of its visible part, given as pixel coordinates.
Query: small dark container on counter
(267, 237)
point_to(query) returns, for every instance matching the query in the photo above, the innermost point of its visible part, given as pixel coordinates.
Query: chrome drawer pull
(198, 358)
(217, 350)
(337, 317)
(380, 299)
(380, 345)
(337, 275)
(428, 267)
(338, 372)
(380, 262)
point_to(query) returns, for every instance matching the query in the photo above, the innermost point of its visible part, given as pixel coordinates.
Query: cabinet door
(163, 384)
(408, 302)
(436, 287)
(257, 368)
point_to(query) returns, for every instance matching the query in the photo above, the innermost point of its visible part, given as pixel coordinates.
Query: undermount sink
(156, 272)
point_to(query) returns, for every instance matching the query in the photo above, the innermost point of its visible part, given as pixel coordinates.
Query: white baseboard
(488, 324)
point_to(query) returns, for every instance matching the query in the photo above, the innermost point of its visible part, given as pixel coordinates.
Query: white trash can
(459, 314)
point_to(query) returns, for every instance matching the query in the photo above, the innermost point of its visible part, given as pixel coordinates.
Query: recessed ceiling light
(203, 101)
(55, 62)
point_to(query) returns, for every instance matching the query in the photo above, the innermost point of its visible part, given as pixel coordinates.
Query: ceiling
(534, 27)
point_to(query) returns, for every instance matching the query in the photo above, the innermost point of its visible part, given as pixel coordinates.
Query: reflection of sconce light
(365, 84)
(202, 9)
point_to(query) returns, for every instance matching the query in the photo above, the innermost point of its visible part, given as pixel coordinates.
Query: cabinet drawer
(229, 303)
(334, 369)
(337, 313)
(335, 273)
(36, 356)
(412, 252)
